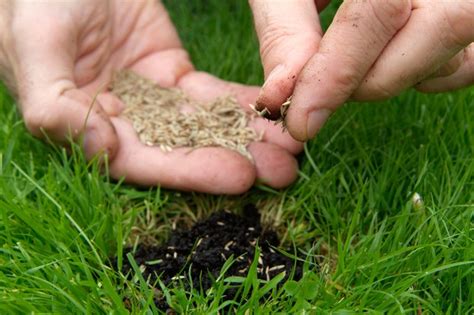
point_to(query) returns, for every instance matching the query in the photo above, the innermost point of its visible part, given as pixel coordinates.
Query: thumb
(289, 35)
(358, 34)
(43, 62)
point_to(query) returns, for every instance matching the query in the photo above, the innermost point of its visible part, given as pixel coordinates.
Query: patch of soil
(205, 248)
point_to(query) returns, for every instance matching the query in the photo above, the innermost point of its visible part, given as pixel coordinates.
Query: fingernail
(275, 72)
(316, 120)
(265, 97)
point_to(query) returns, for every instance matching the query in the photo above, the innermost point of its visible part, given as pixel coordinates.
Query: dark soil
(205, 248)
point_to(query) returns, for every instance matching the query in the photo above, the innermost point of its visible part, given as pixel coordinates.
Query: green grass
(60, 219)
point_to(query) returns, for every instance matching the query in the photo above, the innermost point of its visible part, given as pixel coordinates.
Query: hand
(372, 50)
(55, 56)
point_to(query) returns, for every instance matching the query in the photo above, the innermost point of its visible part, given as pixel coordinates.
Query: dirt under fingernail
(278, 117)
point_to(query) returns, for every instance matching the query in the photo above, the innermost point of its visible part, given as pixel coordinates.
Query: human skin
(373, 50)
(56, 55)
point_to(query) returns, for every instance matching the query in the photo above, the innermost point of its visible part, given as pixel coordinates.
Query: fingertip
(436, 85)
(275, 91)
(297, 134)
(315, 121)
(462, 77)
(100, 141)
(289, 34)
(425, 87)
(100, 136)
(217, 170)
(243, 179)
(275, 166)
(296, 123)
(110, 103)
(309, 125)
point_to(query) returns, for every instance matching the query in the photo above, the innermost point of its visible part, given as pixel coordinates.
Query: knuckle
(345, 78)
(468, 63)
(391, 14)
(452, 65)
(274, 36)
(374, 90)
(382, 92)
(282, 40)
(39, 120)
(460, 22)
(469, 57)
(109, 142)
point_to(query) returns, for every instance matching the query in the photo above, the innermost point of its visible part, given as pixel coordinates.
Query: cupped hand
(55, 56)
(373, 50)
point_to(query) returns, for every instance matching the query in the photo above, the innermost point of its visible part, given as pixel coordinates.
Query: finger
(275, 166)
(111, 104)
(321, 4)
(50, 102)
(152, 30)
(450, 67)
(289, 33)
(276, 134)
(357, 35)
(205, 87)
(151, 47)
(164, 67)
(428, 41)
(464, 76)
(209, 170)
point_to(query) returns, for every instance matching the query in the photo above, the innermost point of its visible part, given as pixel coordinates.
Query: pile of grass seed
(157, 116)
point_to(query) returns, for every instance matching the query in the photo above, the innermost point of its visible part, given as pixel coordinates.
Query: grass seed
(157, 116)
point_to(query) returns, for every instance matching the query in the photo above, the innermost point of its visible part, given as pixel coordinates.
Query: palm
(139, 36)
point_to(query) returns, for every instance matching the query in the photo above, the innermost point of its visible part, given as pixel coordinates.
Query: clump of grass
(169, 119)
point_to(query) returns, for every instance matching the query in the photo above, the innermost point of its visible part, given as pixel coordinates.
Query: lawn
(384, 250)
